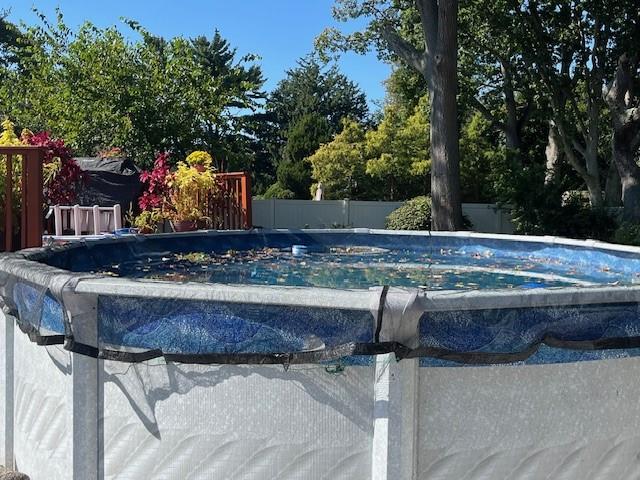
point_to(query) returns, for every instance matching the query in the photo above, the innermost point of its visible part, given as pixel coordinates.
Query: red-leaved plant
(64, 186)
(156, 192)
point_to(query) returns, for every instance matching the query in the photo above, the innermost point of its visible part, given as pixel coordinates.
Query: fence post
(8, 205)
(246, 199)
(32, 198)
(273, 213)
(346, 214)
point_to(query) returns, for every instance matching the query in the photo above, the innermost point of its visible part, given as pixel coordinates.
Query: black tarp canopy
(112, 180)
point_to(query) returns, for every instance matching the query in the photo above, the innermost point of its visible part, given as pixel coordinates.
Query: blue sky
(280, 31)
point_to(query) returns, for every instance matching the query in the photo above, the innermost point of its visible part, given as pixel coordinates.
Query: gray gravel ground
(6, 474)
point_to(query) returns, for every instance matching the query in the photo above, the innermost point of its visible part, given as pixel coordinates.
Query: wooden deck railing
(30, 205)
(231, 208)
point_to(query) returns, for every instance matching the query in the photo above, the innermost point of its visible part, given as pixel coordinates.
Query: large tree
(422, 34)
(555, 56)
(99, 90)
(305, 110)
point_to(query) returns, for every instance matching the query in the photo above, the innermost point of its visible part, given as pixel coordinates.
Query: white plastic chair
(95, 220)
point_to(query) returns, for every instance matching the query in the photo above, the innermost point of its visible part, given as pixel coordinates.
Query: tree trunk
(445, 159)
(511, 124)
(629, 176)
(552, 152)
(438, 65)
(595, 190)
(613, 187)
(625, 116)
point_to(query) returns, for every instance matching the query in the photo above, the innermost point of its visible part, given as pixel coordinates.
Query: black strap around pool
(332, 354)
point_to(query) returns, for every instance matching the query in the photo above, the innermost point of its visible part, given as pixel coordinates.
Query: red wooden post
(8, 205)
(32, 198)
(246, 200)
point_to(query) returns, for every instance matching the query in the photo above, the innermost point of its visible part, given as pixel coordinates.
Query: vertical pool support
(395, 411)
(7, 329)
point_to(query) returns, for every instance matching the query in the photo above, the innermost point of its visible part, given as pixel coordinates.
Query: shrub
(278, 191)
(628, 233)
(415, 214)
(189, 187)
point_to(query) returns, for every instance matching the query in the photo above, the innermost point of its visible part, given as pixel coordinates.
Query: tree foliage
(341, 164)
(99, 90)
(389, 161)
(398, 150)
(316, 88)
(305, 110)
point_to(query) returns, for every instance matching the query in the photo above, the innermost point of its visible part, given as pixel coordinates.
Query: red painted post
(8, 205)
(32, 198)
(246, 200)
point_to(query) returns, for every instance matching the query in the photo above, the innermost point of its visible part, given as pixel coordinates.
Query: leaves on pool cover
(339, 267)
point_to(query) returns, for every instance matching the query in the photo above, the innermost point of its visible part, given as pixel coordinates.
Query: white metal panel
(180, 422)
(43, 410)
(561, 421)
(6, 417)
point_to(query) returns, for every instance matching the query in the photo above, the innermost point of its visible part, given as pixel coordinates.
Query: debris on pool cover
(340, 267)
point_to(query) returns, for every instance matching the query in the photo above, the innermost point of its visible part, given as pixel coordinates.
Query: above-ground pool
(324, 354)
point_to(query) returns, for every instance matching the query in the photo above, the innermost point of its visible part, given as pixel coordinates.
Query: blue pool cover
(69, 295)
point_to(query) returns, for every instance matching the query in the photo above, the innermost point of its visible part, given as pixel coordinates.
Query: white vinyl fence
(273, 213)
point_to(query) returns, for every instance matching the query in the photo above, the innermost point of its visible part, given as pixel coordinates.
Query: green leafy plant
(147, 221)
(413, 215)
(189, 186)
(278, 191)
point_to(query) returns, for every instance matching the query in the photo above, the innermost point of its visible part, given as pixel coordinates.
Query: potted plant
(181, 196)
(147, 221)
(189, 189)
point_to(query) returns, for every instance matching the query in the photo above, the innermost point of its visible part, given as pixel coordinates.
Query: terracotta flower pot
(184, 225)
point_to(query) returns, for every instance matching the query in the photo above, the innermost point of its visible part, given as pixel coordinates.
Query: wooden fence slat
(8, 204)
(231, 209)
